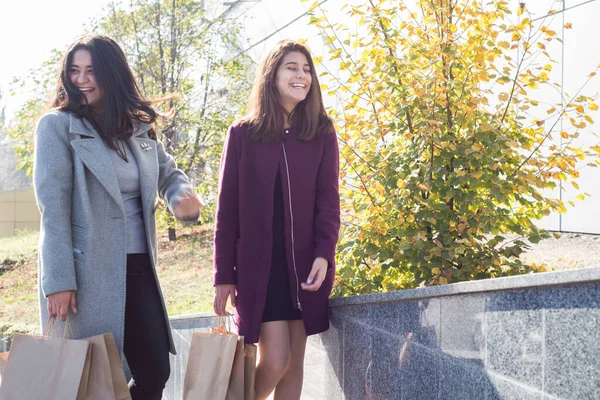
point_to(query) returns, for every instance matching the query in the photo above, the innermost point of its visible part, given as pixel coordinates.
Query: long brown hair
(266, 116)
(121, 102)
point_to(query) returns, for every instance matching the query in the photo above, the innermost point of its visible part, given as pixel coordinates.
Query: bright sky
(30, 29)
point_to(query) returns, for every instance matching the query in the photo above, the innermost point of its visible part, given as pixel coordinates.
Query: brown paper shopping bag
(249, 371)
(3, 360)
(235, 389)
(106, 378)
(209, 365)
(45, 368)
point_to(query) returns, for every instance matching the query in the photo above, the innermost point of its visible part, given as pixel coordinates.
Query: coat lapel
(144, 151)
(93, 152)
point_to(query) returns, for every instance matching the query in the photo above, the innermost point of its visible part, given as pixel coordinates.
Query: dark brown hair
(266, 116)
(121, 100)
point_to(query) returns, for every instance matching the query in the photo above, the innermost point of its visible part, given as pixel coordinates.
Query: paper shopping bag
(235, 388)
(106, 378)
(209, 366)
(249, 371)
(45, 368)
(3, 360)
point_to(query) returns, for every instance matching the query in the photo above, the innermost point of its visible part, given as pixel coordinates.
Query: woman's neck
(286, 119)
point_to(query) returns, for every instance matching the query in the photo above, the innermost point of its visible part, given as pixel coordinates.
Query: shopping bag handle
(225, 322)
(49, 329)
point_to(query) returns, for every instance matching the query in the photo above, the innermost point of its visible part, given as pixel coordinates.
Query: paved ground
(569, 251)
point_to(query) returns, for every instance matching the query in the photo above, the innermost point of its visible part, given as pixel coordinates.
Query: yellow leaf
(541, 45)
(516, 36)
(551, 111)
(564, 134)
(314, 5)
(443, 280)
(544, 76)
(575, 185)
(503, 96)
(487, 127)
(401, 184)
(548, 67)
(436, 271)
(593, 106)
(550, 32)
(568, 25)
(579, 108)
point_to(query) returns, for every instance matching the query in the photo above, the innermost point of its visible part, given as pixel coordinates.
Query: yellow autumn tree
(441, 148)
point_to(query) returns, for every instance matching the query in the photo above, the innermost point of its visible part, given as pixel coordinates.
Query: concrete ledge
(533, 336)
(554, 278)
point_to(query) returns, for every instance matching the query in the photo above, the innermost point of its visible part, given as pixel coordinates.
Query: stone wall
(524, 337)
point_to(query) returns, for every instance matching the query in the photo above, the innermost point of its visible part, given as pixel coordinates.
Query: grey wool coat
(83, 232)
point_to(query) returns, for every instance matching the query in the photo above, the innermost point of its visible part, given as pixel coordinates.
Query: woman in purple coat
(278, 217)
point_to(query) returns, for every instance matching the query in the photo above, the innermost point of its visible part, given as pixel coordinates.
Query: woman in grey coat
(97, 172)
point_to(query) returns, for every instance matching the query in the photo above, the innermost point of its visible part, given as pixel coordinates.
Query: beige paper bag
(44, 368)
(249, 371)
(3, 360)
(83, 384)
(209, 366)
(106, 377)
(235, 389)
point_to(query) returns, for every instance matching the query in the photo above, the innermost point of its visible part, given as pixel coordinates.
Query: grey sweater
(128, 176)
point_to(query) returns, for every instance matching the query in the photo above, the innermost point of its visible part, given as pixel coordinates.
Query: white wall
(18, 211)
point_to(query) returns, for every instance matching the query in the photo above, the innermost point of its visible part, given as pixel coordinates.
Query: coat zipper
(287, 171)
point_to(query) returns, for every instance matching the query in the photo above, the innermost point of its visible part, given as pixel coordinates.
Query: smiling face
(293, 80)
(82, 76)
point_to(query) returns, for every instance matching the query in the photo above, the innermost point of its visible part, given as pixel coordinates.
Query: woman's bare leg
(290, 384)
(274, 351)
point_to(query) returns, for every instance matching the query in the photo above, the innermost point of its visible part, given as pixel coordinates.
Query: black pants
(146, 344)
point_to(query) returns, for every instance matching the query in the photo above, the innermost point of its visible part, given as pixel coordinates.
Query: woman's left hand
(188, 207)
(316, 276)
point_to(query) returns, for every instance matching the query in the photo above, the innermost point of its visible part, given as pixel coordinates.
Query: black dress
(279, 306)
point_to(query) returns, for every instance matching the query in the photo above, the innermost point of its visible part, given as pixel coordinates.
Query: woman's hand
(59, 302)
(222, 292)
(188, 207)
(316, 276)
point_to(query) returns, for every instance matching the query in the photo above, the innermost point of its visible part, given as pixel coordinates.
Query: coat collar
(94, 153)
(82, 126)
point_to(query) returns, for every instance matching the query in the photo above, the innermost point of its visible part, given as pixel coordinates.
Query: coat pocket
(79, 234)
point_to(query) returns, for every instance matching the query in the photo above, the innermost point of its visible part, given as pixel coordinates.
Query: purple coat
(244, 222)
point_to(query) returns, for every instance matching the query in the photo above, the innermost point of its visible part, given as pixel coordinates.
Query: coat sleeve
(227, 217)
(53, 186)
(173, 184)
(327, 202)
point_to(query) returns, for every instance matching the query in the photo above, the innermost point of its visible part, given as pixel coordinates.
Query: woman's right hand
(59, 302)
(222, 292)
